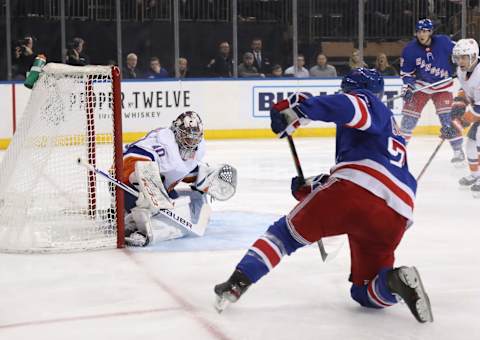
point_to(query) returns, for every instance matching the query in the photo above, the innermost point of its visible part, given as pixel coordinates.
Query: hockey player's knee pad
(408, 124)
(280, 234)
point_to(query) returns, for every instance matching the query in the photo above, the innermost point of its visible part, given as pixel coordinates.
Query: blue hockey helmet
(363, 78)
(424, 24)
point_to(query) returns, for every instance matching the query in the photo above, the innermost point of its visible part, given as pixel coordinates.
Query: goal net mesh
(48, 203)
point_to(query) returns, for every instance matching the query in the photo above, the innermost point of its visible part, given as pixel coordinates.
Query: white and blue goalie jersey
(370, 150)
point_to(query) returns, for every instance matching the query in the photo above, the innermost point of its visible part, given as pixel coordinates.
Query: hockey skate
(231, 290)
(475, 189)
(467, 181)
(406, 283)
(458, 158)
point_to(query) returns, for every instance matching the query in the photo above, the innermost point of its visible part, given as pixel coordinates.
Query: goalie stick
(298, 167)
(195, 229)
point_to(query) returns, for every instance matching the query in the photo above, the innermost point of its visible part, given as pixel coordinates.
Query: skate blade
(423, 306)
(221, 303)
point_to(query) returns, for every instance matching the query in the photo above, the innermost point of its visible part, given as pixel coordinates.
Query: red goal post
(47, 202)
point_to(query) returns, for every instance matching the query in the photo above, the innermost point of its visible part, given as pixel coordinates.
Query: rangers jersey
(160, 146)
(423, 65)
(470, 84)
(370, 150)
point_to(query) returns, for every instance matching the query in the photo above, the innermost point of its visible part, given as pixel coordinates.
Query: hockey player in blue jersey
(369, 195)
(426, 60)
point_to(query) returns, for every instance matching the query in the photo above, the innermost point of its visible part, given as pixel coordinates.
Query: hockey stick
(430, 159)
(420, 89)
(195, 229)
(301, 177)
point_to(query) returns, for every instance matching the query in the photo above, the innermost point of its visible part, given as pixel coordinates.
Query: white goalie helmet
(465, 47)
(188, 130)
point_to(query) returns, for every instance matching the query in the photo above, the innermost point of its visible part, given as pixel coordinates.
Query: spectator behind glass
(183, 67)
(156, 71)
(75, 54)
(322, 69)
(23, 58)
(383, 67)
(261, 61)
(222, 65)
(276, 71)
(246, 68)
(356, 60)
(130, 70)
(300, 71)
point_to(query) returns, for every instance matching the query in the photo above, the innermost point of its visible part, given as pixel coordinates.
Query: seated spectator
(130, 70)
(246, 69)
(299, 71)
(276, 71)
(383, 67)
(75, 53)
(23, 58)
(222, 65)
(322, 69)
(356, 60)
(156, 71)
(183, 67)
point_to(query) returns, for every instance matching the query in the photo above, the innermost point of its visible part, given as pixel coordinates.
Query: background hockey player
(369, 196)
(427, 60)
(154, 165)
(466, 106)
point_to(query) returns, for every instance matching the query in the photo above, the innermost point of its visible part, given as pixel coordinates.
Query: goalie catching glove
(286, 115)
(219, 182)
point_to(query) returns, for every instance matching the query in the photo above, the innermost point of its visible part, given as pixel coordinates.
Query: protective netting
(48, 202)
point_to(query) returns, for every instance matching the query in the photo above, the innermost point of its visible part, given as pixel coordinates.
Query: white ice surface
(166, 291)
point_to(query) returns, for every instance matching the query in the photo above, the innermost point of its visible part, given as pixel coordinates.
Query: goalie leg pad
(153, 194)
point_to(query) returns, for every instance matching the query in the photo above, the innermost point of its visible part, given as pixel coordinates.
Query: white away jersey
(470, 86)
(160, 145)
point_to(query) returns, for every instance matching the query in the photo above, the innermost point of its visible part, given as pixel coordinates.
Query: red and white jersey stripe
(375, 178)
(362, 119)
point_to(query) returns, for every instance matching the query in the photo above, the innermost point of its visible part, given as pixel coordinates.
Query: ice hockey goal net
(48, 203)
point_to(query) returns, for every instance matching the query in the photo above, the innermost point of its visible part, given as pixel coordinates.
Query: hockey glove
(407, 92)
(448, 132)
(286, 115)
(459, 107)
(302, 187)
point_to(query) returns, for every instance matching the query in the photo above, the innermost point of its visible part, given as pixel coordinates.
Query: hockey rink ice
(166, 291)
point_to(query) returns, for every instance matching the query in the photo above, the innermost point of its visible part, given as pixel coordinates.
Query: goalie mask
(188, 130)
